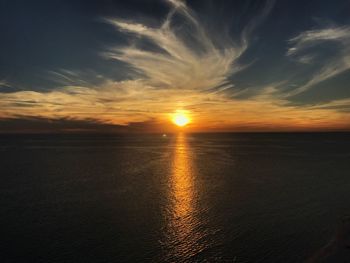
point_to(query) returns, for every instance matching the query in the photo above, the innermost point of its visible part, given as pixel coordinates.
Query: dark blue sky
(296, 50)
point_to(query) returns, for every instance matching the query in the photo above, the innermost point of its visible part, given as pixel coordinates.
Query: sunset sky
(124, 66)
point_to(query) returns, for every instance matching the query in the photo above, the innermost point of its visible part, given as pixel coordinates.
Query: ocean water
(179, 198)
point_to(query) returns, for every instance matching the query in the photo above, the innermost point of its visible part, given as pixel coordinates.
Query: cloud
(309, 42)
(311, 37)
(342, 105)
(71, 125)
(61, 125)
(174, 63)
(118, 104)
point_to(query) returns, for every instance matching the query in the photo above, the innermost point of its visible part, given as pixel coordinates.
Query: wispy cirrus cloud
(304, 49)
(175, 62)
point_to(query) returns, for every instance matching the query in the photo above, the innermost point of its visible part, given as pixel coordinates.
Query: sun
(180, 118)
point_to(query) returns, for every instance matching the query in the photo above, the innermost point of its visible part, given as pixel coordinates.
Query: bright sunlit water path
(174, 198)
(183, 231)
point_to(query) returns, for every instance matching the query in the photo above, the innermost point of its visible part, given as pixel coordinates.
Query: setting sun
(180, 118)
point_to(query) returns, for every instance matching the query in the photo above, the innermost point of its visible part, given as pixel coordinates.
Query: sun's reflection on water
(182, 180)
(182, 232)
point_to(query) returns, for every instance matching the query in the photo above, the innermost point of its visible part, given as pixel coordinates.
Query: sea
(219, 197)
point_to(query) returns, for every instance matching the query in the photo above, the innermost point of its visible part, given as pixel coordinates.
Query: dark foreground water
(183, 198)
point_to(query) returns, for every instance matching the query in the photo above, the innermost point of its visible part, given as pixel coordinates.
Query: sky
(127, 66)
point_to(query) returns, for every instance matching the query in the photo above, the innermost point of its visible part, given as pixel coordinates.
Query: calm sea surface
(180, 198)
